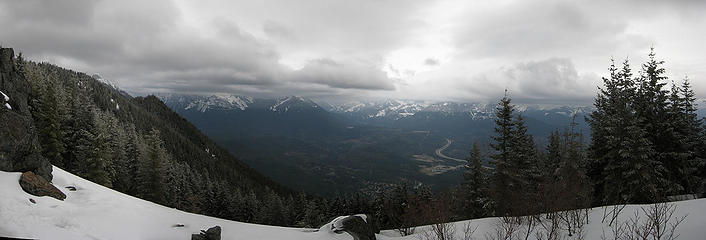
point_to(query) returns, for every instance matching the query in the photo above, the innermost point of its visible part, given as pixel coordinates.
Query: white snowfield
(96, 212)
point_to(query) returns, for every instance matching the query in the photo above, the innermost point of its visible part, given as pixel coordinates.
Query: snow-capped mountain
(399, 109)
(220, 102)
(388, 109)
(293, 103)
(405, 114)
(238, 103)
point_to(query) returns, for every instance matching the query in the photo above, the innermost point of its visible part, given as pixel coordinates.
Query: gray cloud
(356, 75)
(540, 28)
(144, 48)
(546, 80)
(431, 62)
(553, 80)
(551, 50)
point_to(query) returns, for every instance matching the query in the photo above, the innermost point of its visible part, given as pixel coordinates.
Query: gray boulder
(213, 233)
(19, 146)
(361, 227)
(38, 186)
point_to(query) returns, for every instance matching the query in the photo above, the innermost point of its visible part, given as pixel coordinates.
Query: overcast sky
(543, 51)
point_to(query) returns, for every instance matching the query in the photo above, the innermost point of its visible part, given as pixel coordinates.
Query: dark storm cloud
(551, 49)
(146, 47)
(356, 75)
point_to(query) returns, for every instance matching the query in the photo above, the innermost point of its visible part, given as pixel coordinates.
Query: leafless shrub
(660, 223)
(469, 230)
(438, 212)
(618, 230)
(531, 222)
(406, 230)
(506, 228)
(549, 227)
(568, 224)
(611, 213)
(573, 222)
(447, 231)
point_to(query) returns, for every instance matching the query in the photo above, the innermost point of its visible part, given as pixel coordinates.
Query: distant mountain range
(311, 145)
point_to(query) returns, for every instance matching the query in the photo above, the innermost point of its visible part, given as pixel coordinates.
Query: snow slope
(96, 212)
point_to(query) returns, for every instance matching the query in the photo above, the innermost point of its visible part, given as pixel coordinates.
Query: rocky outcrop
(19, 146)
(359, 226)
(213, 233)
(38, 186)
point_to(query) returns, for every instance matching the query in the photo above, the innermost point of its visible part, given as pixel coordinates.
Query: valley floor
(96, 212)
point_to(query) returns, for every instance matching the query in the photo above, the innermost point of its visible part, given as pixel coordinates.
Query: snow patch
(7, 99)
(4, 96)
(279, 103)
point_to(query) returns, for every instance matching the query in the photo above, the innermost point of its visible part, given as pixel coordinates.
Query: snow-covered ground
(96, 212)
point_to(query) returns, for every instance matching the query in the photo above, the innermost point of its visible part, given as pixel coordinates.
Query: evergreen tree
(574, 185)
(48, 120)
(251, 207)
(90, 147)
(503, 183)
(126, 167)
(273, 212)
(651, 106)
(554, 156)
(100, 164)
(72, 121)
(474, 188)
(688, 138)
(525, 171)
(150, 173)
(525, 155)
(622, 166)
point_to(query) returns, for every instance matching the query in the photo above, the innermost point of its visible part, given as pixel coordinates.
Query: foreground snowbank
(96, 212)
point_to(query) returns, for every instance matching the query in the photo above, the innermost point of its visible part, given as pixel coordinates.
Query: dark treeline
(646, 144)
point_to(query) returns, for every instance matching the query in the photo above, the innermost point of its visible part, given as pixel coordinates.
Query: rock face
(213, 233)
(19, 146)
(38, 186)
(358, 226)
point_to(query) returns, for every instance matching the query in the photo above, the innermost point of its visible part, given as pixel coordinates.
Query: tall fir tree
(554, 156)
(126, 169)
(474, 190)
(48, 118)
(689, 138)
(575, 186)
(525, 171)
(525, 155)
(150, 173)
(651, 106)
(503, 183)
(622, 165)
